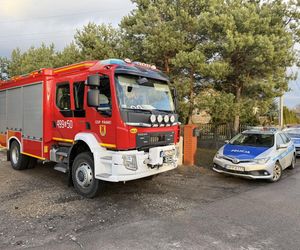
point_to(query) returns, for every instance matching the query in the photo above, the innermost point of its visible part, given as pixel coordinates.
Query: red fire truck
(111, 120)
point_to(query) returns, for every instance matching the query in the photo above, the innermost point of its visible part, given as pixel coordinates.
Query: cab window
(105, 95)
(78, 91)
(63, 101)
(279, 140)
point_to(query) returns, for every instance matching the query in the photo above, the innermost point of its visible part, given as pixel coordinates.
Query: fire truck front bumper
(134, 164)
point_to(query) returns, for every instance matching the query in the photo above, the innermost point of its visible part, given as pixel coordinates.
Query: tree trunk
(236, 124)
(167, 66)
(191, 108)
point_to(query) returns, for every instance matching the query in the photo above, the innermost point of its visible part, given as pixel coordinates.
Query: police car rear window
(254, 140)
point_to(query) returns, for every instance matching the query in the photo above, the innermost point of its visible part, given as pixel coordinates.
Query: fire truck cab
(111, 120)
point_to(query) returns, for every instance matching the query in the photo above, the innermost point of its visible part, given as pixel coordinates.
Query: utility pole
(281, 111)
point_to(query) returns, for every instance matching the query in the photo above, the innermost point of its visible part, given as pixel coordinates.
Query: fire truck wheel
(18, 160)
(83, 175)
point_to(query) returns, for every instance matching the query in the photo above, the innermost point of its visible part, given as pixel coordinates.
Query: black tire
(293, 163)
(18, 161)
(277, 173)
(83, 176)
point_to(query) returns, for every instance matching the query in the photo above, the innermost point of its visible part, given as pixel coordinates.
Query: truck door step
(61, 168)
(63, 151)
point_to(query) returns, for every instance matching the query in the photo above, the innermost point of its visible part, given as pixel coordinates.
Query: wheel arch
(78, 147)
(10, 141)
(83, 142)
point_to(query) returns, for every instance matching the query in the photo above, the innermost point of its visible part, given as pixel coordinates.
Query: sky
(292, 98)
(30, 22)
(24, 23)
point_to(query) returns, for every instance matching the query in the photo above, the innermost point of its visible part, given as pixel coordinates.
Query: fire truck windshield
(145, 94)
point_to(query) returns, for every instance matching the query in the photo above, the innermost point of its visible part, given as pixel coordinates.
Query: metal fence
(213, 136)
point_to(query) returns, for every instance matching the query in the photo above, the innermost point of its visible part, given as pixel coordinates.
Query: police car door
(280, 151)
(290, 152)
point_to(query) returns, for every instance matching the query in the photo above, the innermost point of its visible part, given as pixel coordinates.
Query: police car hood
(243, 152)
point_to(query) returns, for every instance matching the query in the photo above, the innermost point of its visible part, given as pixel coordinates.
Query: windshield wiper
(166, 111)
(139, 110)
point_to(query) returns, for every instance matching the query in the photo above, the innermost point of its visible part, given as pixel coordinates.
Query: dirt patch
(37, 206)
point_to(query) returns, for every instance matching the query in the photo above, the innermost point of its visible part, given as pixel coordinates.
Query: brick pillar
(189, 145)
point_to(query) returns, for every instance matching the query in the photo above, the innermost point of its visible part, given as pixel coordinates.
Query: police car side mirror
(93, 98)
(93, 80)
(282, 146)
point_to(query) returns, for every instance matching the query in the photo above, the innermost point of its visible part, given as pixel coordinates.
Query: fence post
(190, 145)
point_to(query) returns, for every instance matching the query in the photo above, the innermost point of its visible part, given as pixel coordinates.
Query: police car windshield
(148, 94)
(253, 140)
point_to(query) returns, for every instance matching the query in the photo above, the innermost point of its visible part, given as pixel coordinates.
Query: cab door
(69, 112)
(62, 112)
(102, 121)
(79, 113)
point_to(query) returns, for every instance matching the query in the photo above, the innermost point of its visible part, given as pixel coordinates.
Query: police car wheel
(83, 175)
(277, 173)
(293, 164)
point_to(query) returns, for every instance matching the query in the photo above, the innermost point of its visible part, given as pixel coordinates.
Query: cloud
(31, 22)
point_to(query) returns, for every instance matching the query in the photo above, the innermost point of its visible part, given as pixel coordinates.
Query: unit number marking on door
(64, 124)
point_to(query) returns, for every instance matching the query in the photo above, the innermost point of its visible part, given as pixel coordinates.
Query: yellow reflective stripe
(34, 156)
(62, 140)
(73, 67)
(106, 145)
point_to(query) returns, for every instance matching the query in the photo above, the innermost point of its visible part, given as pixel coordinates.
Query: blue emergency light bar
(262, 129)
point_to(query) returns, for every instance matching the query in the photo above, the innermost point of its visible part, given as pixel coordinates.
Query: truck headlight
(172, 118)
(166, 118)
(261, 160)
(153, 118)
(129, 162)
(159, 118)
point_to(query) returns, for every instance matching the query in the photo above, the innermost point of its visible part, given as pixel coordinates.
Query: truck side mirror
(93, 80)
(93, 98)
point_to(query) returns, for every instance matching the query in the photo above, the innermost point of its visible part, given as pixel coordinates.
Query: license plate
(236, 168)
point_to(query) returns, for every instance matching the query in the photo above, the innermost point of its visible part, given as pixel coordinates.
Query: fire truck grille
(154, 139)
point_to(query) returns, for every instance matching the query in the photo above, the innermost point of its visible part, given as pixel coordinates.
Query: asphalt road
(189, 208)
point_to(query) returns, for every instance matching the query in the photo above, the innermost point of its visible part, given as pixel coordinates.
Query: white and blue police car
(257, 153)
(294, 134)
